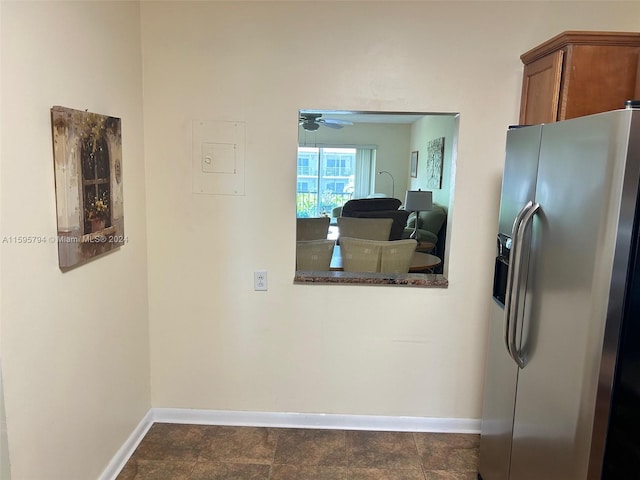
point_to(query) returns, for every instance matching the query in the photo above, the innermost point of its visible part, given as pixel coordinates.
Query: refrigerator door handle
(526, 221)
(508, 320)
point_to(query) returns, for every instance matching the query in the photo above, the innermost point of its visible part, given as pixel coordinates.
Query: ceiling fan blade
(335, 121)
(336, 126)
(311, 117)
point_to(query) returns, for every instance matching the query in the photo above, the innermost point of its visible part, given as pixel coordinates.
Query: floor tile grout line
(346, 450)
(345, 434)
(277, 433)
(415, 444)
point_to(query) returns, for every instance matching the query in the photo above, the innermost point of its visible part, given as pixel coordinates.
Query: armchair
(365, 228)
(314, 255)
(384, 256)
(396, 257)
(430, 225)
(379, 208)
(312, 228)
(360, 255)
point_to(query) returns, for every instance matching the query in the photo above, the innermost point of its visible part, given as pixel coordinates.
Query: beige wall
(74, 346)
(217, 344)
(5, 473)
(75, 353)
(422, 132)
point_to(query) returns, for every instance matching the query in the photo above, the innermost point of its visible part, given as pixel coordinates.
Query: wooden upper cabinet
(579, 73)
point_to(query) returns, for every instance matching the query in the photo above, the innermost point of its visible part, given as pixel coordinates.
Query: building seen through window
(326, 178)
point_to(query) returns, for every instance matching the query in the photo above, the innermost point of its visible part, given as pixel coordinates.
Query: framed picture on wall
(414, 164)
(87, 154)
(435, 154)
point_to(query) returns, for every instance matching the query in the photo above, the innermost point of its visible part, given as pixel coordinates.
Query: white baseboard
(316, 420)
(288, 420)
(123, 454)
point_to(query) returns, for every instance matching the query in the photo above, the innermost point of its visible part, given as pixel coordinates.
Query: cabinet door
(597, 78)
(541, 90)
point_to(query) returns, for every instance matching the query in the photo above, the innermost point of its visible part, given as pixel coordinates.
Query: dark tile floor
(198, 452)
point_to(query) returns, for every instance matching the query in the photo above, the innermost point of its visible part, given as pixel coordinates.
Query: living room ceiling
(368, 117)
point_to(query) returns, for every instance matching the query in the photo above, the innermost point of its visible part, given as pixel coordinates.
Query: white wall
(5, 473)
(422, 132)
(74, 346)
(217, 344)
(75, 354)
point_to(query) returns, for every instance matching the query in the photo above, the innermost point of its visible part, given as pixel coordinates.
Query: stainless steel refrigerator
(562, 385)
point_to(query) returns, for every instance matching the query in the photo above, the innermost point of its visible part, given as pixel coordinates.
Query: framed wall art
(87, 154)
(413, 169)
(435, 155)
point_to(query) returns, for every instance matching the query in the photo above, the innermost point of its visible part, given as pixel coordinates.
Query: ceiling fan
(312, 121)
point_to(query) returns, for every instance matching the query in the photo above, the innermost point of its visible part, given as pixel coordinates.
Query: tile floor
(197, 452)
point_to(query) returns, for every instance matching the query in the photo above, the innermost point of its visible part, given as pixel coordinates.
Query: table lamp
(417, 201)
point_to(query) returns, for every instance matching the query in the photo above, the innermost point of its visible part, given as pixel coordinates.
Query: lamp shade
(418, 201)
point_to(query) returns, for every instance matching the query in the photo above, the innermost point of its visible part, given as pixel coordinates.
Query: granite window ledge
(304, 277)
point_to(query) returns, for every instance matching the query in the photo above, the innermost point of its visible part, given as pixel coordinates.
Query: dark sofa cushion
(369, 205)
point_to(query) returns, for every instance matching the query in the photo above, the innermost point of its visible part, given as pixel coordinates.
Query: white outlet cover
(260, 280)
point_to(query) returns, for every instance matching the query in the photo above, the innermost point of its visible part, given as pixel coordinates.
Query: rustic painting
(87, 153)
(435, 155)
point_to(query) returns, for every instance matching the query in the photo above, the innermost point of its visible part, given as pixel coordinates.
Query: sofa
(431, 226)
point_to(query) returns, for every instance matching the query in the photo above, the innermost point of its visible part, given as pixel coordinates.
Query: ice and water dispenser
(501, 268)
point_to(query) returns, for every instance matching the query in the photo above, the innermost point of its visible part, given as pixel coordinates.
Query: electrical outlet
(260, 280)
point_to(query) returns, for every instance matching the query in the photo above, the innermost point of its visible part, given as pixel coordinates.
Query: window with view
(96, 184)
(328, 177)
